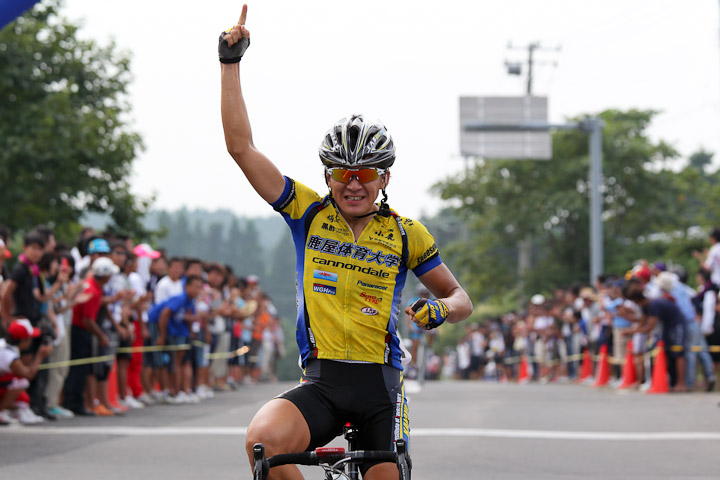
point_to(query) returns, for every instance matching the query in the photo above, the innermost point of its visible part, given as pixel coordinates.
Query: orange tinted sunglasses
(364, 175)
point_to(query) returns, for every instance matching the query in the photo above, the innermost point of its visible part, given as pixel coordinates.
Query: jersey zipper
(346, 302)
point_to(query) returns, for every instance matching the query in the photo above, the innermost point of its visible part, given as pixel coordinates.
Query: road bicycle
(337, 463)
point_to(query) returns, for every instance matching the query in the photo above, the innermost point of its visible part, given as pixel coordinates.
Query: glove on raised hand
(232, 54)
(430, 313)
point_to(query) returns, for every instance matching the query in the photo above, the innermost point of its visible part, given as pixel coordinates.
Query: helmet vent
(353, 134)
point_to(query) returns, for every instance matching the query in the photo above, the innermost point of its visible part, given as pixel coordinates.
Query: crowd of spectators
(178, 330)
(106, 326)
(635, 309)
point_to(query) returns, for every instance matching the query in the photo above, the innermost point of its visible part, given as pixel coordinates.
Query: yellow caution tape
(596, 358)
(155, 348)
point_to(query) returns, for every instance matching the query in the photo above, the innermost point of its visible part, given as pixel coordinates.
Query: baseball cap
(98, 245)
(252, 279)
(537, 299)
(666, 281)
(7, 253)
(145, 250)
(660, 266)
(22, 328)
(104, 267)
(642, 272)
(587, 293)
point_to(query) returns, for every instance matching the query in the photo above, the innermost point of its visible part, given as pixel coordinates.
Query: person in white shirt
(710, 259)
(170, 285)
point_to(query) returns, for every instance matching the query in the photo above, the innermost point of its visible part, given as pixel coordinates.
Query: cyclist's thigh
(280, 426)
(315, 401)
(382, 471)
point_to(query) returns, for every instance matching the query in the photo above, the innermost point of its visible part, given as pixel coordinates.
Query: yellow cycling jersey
(348, 292)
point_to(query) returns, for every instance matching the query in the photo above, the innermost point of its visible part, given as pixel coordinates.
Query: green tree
(253, 261)
(65, 146)
(232, 253)
(504, 201)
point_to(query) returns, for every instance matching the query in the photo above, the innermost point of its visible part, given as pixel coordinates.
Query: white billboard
(496, 112)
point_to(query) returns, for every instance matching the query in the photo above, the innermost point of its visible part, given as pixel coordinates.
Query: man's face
(119, 256)
(355, 198)
(194, 269)
(159, 266)
(176, 270)
(215, 278)
(193, 288)
(33, 252)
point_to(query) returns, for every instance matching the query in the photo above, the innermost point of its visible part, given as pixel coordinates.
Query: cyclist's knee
(278, 430)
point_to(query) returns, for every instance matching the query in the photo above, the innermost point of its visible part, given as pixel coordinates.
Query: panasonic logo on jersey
(349, 266)
(360, 283)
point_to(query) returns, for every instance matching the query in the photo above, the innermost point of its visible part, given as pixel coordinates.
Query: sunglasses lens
(363, 175)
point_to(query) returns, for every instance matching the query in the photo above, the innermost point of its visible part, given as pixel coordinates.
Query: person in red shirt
(84, 327)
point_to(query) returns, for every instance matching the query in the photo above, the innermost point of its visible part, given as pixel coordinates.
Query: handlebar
(330, 456)
(312, 458)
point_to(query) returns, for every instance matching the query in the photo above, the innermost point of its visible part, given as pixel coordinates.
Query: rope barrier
(612, 360)
(155, 348)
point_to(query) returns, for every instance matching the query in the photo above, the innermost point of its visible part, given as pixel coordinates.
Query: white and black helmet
(355, 142)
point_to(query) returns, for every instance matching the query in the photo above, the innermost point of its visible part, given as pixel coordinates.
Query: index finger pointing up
(243, 15)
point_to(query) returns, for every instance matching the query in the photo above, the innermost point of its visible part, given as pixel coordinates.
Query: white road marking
(417, 432)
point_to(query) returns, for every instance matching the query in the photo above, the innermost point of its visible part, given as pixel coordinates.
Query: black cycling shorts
(368, 395)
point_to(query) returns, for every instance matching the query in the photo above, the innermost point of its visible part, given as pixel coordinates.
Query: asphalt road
(460, 430)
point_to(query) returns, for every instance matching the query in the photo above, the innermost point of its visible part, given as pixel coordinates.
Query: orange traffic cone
(586, 370)
(602, 375)
(523, 375)
(112, 386)
(660, 383)
(628, 373)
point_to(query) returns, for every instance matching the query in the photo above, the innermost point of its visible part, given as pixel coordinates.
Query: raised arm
(262, 174)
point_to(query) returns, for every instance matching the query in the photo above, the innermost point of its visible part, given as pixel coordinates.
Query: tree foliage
(65, 143)
(645, 204)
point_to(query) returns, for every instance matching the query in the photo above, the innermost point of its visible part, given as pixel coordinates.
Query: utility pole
(525, 245)
(594, 127)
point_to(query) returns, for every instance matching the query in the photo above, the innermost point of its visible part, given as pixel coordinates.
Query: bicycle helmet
(356, 142)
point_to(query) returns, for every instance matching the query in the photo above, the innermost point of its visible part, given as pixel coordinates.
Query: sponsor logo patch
(370, 298)
(327, 276)
(370, 285)
(350, 266)
(369, 311)
(320, 288)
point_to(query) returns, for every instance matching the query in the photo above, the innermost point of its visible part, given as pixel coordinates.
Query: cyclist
(352, 260)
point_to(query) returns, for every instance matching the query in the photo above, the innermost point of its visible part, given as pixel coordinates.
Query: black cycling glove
(232, 54)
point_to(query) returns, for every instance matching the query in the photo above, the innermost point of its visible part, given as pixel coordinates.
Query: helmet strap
(384, 207)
